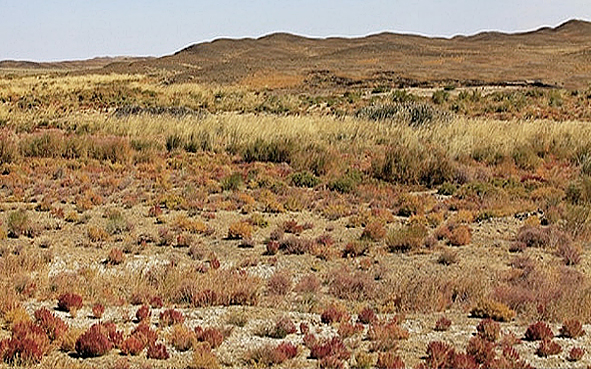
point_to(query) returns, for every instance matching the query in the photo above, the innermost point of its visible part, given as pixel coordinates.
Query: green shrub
(276, 151)
(407, 238)
(305, 179)
(17, 223)
(232, 182)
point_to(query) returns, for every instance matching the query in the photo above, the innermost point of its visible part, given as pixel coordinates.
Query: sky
(50, 30)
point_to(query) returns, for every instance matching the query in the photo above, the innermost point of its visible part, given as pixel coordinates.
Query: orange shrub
(240, 230)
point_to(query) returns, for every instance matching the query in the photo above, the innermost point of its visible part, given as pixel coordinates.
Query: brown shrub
(27, 346)
(143, 313)
(132, 346)
(576, 354)
(98, 310)
(203, 358)
(332, 347)
(355, 249)
(348, 286)
(347, 329)
(406, 239)
(283, 327)
(171, 317)
(279, 283)
(442, 324)
(367, 315)
(547, 348)
(533, 236)
(571, 328)
(145, 334)
(93, 343)
(489, 329)
(54, 327)
(460, 235)
(308, 284)
(374, 232)
(334, 314)
(115, 256)
(70, 302)
(492, 309)
(390, 360)
(157, 351)
(211, 335)
(240, 230)
(538, 331)
(385, 336)
(481, 349)
(181, 338)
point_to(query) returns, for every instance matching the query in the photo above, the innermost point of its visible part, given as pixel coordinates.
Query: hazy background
(43, 30)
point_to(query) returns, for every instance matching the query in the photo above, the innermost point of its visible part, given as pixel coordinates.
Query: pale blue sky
(66, 29)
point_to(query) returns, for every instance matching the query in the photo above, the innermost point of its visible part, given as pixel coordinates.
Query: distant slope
(559, 56)
(94, 63)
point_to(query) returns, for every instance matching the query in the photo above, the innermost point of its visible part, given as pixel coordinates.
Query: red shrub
(156, 302)
(442, 324)
(538, 331)
(93, 343)
(98, 310)
(385, 336)
(28, 345)
(374, 231)
(171, 317)
(145, 334)
(157, 351)
(334, 314)
(283, 327)
(54, 326)
(69, 302)
(213, 336)
(489, 330)
(304, 328)
(287, 350)
(333, 347)
(143, 313)
(482, 350)
(292, 226)
(347, 329)
(109, 329)
(132, 346)
(576, 354)
(367, 316)
(440, 355)
(547, 348)
(572, 329)
(389, 360)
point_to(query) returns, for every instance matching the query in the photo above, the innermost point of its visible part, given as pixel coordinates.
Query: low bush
(481, 349)
(572, 328)
(409, 238)
(489, 329)
(390, 360)
(203, 358)
(385, 336)
(279, 283)
(17, 223)
(70, 302)
(367, 316)
(93, 343)
(27, 346)
(334, 314)
(157, 351)
(240, 230)
(98, 310)
(305, 179)
(269, 355)
(283, 327)
(347, 329)
(145, 334)
(576, 354)
(171, 317)
(143, 313)
(132, 346)
(547, 348)
(492, 309)
(332, 347)
(181, 338)
(211, 335)
(442, 324)
(539, 331)
(374, 231)
(54, 327)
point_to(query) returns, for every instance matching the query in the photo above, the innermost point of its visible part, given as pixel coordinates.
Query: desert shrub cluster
(123, 198)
